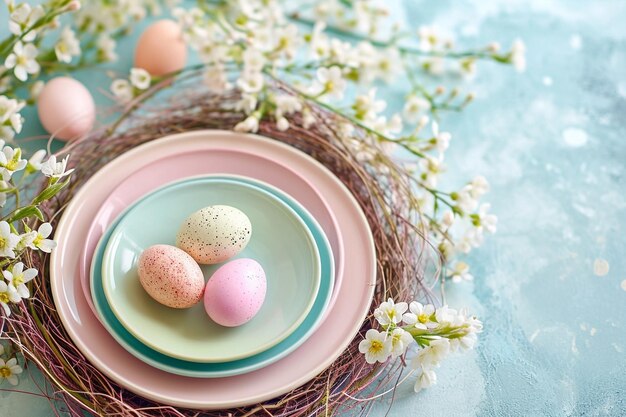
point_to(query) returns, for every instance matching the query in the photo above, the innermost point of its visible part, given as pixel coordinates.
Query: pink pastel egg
(161, 49)
(235, 292)
(170, 276)
(66, 108)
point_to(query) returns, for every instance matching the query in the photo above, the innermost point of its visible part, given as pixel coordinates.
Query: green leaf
(24, 212)
(50, 192)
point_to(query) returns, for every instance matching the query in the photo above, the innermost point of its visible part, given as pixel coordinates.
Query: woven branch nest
(383, 188)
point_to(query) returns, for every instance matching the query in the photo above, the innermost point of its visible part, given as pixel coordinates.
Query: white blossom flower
(53, 169)
(41, 242)
(212, 53)
(390, 312)
(467, 67)
(18, 278)
(22, 19)
(122, 90)
(447, 219)
(287, 41)
(9, 107)
(11, 161)
(23, 61)
(518, 55)
(319, 43)
(420, 316)
(250, 124)
(253, 60)
(400, 341)
(445, 315)
(308, 119)
(425, 379)
(287, 104)
(413, 108)
(479, 186)
(191, 23)
(376, 346)
(460, 272)
(331, 82)
(465, 199)
(250, 82)
(26, 240)
(388, 64)
(9, 370)
(484, 220)
(366, 107)
(8, 294)
(216, 79)
(472, 238)
(428, 38)
(247, 104)
(431, 167)
(282, 124)
(435, 65)
(140, 78)
(431, 356)
(36, 89)
(35, 161)
(67, 46)
(441, 140)
(105, 47)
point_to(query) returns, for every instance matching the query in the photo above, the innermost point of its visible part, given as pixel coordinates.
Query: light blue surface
(555, 340)
(228, 368)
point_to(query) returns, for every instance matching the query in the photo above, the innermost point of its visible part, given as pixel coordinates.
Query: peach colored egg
(161, 49)
(235, 292)
(170, 276)
(66, 108)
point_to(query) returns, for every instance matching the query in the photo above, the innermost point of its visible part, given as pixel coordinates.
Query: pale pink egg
(161, 49)
(235, 292)
(66, 108)
(170, 276)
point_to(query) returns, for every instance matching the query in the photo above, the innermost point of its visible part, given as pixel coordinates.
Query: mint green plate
(281, 242)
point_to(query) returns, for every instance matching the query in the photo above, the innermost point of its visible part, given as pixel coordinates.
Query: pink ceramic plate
(344, 319)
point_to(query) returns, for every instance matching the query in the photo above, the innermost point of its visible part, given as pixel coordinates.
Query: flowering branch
(436, 331)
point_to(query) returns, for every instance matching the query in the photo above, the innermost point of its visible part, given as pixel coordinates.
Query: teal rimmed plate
(281, 242)
(213, 370)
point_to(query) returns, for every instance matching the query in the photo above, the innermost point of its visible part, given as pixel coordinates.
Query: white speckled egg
(170, 276)
(213, 234)
(235, 292)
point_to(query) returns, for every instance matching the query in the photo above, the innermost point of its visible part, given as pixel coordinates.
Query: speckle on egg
(170, 276)
(214, 234)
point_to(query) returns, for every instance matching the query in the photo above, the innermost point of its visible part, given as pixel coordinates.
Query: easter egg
(235, 292)
(214, 234)
(161, 49)
(66, 108)
(170, 276)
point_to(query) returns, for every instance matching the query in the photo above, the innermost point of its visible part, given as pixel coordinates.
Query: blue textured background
(553, 144)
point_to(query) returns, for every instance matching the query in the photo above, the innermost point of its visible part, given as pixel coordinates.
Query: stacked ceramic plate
(310, 236)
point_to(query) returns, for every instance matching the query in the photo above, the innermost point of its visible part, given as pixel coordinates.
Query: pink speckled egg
(161, 49)
(66, 108)
(235, 292)
(170, 276)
